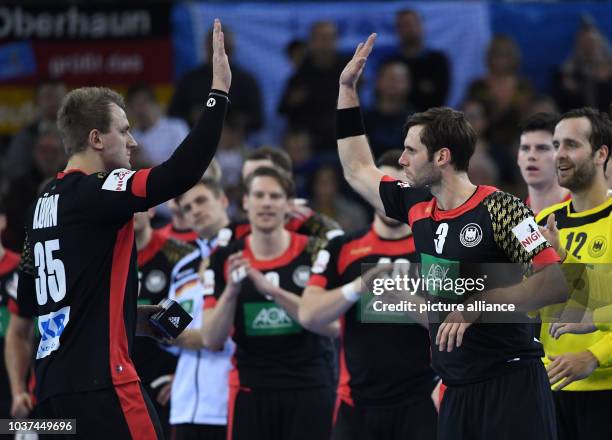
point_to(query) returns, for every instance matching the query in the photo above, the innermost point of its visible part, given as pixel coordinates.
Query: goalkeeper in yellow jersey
(580, 365)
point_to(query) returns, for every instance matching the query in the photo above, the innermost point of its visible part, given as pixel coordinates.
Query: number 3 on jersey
(51, 274)
(441, 234)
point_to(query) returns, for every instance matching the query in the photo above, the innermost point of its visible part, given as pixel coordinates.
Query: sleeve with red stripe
(398, 197)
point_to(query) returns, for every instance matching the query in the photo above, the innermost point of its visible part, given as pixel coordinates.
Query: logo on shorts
(470, 235)
(174, 320)
(301, 275)
(155, 281)
(598, 246)
(211, 102)
(403, 184)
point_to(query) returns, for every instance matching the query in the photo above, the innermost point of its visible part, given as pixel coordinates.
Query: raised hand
(551, 234)
(222, 74)
(352, 71)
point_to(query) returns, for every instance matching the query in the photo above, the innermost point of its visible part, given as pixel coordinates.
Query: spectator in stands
(309, 99)
(429, 68)
(298, 145)
(505, 94)
(157, 135)
(19, 158)
(192, 90)
(585, 79)
(49, 158)
(296, 52)
(484, 168)
(385, 120)
(230, 156)
(327, 199)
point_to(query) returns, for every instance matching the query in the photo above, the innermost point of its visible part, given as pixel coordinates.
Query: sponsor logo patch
(320, 263)
(51, 326)
(117, 180)
(268, 319)
(528, 234)
(209, 282)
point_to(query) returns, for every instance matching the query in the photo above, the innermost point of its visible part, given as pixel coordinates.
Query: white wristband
(350, 293)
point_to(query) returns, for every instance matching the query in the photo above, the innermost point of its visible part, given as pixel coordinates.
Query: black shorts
(583, 414)
(416, 421)
(265, 414)
(517, 405)
(188, 431)
(118, 413)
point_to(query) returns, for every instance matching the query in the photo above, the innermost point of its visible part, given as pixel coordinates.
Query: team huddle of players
(279, 347)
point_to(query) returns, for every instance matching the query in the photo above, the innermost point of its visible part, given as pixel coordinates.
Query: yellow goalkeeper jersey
(587, 238)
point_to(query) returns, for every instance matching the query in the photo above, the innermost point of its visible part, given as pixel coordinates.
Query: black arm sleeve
(189, 161)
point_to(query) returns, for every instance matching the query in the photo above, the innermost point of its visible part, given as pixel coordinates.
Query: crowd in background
(411, 79)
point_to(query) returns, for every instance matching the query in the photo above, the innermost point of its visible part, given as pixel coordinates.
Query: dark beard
(582, 178)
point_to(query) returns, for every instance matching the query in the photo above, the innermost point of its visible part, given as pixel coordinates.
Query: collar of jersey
(588, 212)
(482, 191)
(63, 174)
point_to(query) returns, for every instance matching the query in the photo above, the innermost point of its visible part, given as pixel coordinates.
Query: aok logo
(267, 319)
(273, 317)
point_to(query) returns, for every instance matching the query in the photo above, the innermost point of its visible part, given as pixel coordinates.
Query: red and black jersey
(78, 271)
(272, 349)
(490, 227)
(308, 222)
(9, 264)
(382, 364)
(155, 264)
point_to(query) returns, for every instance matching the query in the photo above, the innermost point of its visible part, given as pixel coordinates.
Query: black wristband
(349, 122)
(219, 93)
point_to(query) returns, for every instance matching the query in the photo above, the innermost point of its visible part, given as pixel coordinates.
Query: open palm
(352, 71)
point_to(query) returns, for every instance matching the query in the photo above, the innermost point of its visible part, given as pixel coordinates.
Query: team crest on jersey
(156, 281)
(301, 276)
(528, 234)
(51, 326)
(117, 180)
(598, 246)
(470, 235)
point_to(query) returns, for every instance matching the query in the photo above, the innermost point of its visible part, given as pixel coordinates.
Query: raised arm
(189, 161)
(353, 149)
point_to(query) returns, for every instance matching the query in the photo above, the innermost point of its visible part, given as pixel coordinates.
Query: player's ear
(224, 201)
(245, 202)
(443, 156)
(94, 139)
(602, 154)
(2, 222)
